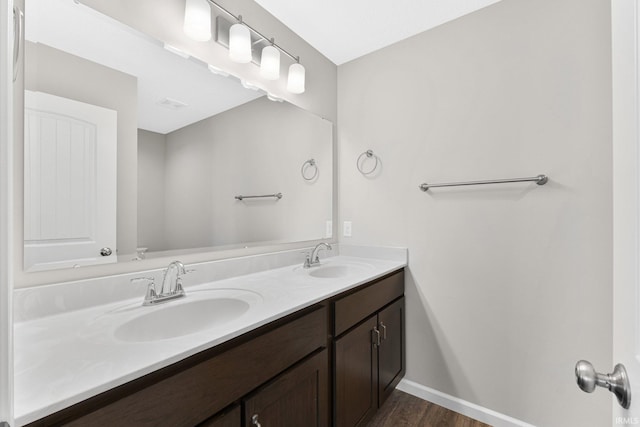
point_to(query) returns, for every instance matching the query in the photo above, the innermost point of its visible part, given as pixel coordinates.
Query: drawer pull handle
(384, 330)
(376, 337)
(254, 421)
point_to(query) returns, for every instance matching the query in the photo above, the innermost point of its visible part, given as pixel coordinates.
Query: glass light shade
(197, 20)
(295, 81)
(270, 63)
(240, 44)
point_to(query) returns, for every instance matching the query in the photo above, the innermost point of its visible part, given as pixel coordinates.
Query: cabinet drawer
(298, 397)
(361, 304)
(192, 395)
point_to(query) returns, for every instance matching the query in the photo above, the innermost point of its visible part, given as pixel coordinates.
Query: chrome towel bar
(540, 180)
(277, 196)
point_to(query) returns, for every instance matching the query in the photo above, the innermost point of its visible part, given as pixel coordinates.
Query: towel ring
(369, 154)
(311, 163)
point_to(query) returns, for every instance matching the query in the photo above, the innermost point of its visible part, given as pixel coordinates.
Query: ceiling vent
(172, 104)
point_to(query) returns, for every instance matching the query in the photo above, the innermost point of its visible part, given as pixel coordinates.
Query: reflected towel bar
(277, 196)
(540, 180)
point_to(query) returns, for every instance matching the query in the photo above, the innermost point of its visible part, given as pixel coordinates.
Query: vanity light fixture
(241, 38)
(197, 20)
(240, 43)
(296, 78)
(270, 62)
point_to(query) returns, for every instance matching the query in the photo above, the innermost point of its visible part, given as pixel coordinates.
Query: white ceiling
(343, 30)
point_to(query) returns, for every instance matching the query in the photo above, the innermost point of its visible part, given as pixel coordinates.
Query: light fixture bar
(262, 36)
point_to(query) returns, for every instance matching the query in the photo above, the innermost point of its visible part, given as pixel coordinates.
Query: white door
(626, 203)
(6, 196)
(623, 380)
(70, 182)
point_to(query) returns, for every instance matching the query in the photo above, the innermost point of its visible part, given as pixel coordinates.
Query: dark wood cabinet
(369, 357)
(345, 353)
(232, 417)
(391, 350)
(356, 378)
(189, 392)
(299, 397)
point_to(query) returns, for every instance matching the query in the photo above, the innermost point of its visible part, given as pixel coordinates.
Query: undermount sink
(332, 270)
(176, 320)
(196, 312)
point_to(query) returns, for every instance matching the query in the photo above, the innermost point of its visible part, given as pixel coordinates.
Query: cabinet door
(228, 418)
(391, 357)
(356, 375)
(299, 397)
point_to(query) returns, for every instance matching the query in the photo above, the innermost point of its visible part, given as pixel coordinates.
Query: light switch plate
(328, 230)
(346, 229)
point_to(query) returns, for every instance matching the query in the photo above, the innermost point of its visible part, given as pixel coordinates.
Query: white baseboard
(460, 406)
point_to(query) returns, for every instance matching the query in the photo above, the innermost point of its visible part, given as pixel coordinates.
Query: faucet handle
(151, 293)
(307, 259)
(179, 288)
(149, 280)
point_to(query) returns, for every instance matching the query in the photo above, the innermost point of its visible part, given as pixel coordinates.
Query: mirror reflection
(135, 150)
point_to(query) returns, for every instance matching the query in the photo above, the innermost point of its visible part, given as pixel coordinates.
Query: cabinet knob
(254, 421)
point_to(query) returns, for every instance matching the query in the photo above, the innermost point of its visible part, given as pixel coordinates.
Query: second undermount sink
(336, 270)
(196, 312)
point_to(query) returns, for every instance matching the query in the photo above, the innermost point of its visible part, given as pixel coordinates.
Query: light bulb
(240, 44)
(197, 20)
(270, 63)
(295, 80)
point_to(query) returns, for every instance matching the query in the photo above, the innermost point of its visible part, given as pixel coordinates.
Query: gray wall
(508, 286)
(151, 189)
(256, 148)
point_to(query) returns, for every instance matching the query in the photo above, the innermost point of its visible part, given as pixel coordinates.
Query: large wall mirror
(133, 150)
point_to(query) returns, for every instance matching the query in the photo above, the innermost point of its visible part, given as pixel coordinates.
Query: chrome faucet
(313, 258)
(171, 285)
(171, 282)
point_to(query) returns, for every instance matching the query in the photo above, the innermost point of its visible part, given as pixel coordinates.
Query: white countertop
(66, 357)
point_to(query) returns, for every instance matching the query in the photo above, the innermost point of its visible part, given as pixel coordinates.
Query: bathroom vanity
(331, 358)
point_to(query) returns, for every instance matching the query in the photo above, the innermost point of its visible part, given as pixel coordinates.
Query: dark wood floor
(402, 409)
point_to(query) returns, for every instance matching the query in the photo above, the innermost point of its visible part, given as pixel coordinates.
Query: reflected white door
(626, 203)
(6, 232)
(70, 182)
